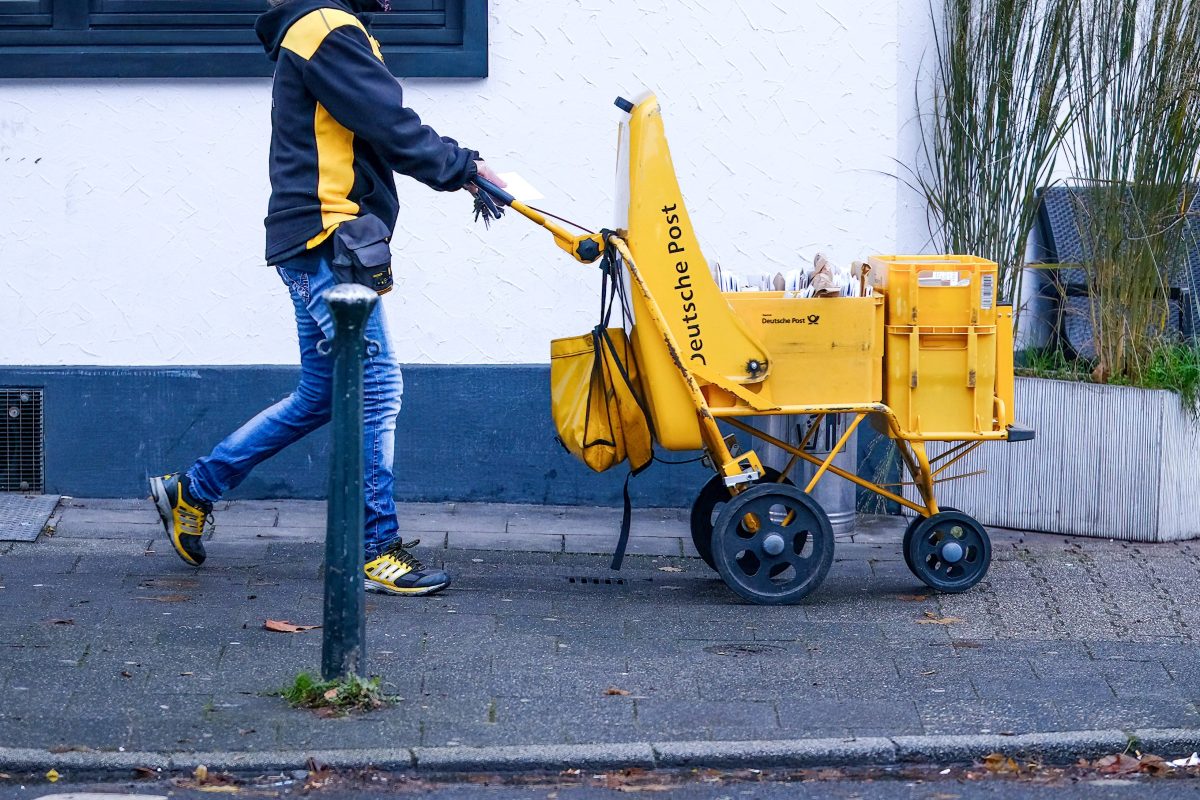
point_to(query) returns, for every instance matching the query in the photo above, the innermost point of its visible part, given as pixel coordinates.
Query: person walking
(339, 130)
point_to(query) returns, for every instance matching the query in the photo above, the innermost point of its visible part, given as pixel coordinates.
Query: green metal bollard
(344, 636)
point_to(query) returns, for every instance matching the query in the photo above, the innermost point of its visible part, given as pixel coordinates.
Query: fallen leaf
(1119, 764)
(1000, 763)
(166, 598)
(933, 619)
(52, 775)
(222, 789)
(186, 674)
(145, 772)
(200, 773)
(670, 569)
(126, 673)
(62, 622)
(283, 626)
(331, 694)
(912, 598)
(928, 672)
(613, 690)
(1154, 765)
(635, 779)
(245, 731)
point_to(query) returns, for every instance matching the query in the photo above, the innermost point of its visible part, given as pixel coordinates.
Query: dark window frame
(113, 39)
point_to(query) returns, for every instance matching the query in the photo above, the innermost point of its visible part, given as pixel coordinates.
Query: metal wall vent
(22, 440)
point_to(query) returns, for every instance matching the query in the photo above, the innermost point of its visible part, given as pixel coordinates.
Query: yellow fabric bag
(595, 398)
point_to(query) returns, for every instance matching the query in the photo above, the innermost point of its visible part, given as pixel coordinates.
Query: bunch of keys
(486, 208)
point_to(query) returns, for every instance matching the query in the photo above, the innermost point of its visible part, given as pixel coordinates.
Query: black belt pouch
(361, 253)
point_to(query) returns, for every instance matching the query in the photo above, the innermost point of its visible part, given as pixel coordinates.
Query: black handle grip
(495, 192)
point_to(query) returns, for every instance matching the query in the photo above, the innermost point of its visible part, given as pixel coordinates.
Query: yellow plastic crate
(937, 290)
(941, 380)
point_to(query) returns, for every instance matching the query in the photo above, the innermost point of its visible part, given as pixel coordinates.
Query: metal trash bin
(837, 497)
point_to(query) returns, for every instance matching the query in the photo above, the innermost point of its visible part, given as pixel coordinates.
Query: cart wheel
(710, 503)
(949, 551)
(773, 544)
(908, 534)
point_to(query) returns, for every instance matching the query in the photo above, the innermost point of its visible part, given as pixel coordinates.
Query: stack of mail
(823, 279)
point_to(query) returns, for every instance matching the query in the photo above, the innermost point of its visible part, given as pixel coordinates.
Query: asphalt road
(910, 783)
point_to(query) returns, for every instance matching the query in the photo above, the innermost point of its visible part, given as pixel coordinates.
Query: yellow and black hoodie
(339, 128)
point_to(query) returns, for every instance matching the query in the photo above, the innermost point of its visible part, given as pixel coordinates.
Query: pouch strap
(626, 515)
(602, 334)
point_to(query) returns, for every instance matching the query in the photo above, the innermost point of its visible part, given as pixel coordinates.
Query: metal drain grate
(22, 439)
(583, 580)
(22, 516)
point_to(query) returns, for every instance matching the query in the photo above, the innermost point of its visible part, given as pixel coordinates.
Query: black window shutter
(215, 38)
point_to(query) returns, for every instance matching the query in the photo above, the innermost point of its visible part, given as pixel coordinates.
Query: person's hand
(485, 172)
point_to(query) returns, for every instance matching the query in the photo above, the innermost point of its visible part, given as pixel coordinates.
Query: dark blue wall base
(465, 433)
(471, 433)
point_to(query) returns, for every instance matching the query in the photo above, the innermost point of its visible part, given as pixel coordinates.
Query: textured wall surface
(133, 208)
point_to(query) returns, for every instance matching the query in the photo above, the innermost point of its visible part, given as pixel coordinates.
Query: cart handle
(497, 194)
(584, 248)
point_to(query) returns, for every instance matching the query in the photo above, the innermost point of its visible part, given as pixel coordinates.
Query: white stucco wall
(132, 209)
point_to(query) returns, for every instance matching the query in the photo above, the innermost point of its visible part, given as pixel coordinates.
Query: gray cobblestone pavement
(109, 641)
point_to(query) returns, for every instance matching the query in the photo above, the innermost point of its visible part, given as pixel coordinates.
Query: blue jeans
(308, 408)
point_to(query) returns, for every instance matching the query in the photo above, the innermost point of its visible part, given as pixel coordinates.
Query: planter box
(1108, 461)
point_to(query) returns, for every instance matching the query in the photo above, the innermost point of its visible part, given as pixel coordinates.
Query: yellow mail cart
(927, 353)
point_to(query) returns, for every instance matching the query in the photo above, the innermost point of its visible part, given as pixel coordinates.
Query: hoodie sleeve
(356, 88)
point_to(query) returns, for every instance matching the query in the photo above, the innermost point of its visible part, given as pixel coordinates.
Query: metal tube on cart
(343, 644)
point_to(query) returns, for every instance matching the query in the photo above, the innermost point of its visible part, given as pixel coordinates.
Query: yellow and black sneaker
(397, 571)
(183, 515)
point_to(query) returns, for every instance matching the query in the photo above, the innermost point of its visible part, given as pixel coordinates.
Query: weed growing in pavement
(336, 697)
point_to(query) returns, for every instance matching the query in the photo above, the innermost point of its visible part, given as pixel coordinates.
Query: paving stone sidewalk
(107, 640)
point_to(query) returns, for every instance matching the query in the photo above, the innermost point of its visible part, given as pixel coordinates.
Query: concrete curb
(1060, 747)
(525, 758)
(786, 753)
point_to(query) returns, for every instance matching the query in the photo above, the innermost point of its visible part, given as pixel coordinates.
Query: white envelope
(520, 188)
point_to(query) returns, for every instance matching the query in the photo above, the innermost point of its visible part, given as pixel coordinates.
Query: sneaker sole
(379, 588)
(166, 514)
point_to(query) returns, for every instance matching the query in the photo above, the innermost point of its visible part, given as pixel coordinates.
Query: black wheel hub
(908, 534)
(773, 544)
(708, 505)
(949, 551)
